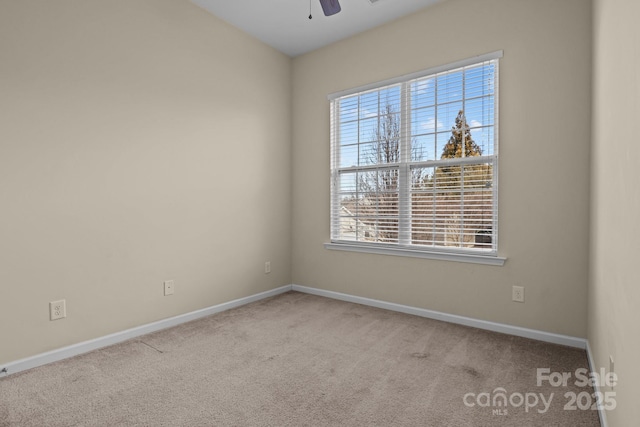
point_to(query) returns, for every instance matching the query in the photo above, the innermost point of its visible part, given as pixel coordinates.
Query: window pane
(368, 129)
(348, 183)
(423, 93)
(449, 87)
(348, 109)
(483, 137)
(374, 211)
(390, 99)
(348, 156)
(348, 133)
(447, 114)
(423, 120)
(424, 147)
(368, 154)
(368, 105)
(479, 80)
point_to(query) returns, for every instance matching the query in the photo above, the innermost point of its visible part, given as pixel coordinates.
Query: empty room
(319, 213)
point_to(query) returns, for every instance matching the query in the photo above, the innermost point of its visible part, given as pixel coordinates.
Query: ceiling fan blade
(330, 7)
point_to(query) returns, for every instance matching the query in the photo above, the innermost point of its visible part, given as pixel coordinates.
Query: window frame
(405, 165)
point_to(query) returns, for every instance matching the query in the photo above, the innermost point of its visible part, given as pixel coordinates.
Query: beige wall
(544, 161)
(125, 127)
(614, 293)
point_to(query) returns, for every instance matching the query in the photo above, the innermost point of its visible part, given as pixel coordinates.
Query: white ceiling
(285, 24)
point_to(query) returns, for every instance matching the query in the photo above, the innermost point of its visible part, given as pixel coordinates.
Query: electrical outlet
(267, 267)
(169, 287)
(517, 293)
(57, 309)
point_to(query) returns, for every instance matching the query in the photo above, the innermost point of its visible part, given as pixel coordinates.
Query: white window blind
(414, 160)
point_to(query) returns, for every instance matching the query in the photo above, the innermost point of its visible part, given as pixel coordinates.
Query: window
(414, 162)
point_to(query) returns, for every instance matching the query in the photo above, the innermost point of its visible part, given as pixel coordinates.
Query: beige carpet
(299, 360)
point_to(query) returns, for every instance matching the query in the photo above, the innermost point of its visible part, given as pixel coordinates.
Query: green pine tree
(453, 148)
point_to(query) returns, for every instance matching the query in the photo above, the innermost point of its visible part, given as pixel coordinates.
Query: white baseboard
(596, 387)
(451, 318)
(86, 346)
(107, 340)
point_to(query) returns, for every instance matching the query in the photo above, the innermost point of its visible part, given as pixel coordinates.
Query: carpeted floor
(303, 360)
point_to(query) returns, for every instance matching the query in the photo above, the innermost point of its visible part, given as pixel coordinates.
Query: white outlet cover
(57, 309)
(169, 287)
(517, 294)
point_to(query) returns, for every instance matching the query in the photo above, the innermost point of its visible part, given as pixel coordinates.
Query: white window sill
(395, 251)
